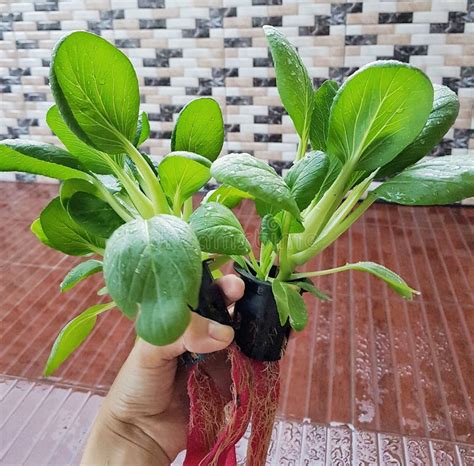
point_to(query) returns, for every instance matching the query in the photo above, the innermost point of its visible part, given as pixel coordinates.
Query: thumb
(202, 336)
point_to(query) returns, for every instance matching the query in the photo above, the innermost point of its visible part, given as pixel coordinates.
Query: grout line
(9, 388)
(46, 325)
(412, 345)
(461, 236)
(45, 425)
(58, 313)
(25, 423)
(28, 308)
(371, 337)
(449, 336)
(71, 423)
(125, 340)
(433, 353)
(5, 420)
(97, 349)
(332, 332)
(314, 330)
(387, 314)
(352, 338)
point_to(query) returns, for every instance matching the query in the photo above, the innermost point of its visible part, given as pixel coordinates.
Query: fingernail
(220, 332)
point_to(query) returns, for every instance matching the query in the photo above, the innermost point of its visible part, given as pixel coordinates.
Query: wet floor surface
(368, 359)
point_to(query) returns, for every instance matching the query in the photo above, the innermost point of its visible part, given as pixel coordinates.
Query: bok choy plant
(378, 125)
(136, 219)
(114, 202)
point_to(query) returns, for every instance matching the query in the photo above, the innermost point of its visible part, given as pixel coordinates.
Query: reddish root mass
(215, 428)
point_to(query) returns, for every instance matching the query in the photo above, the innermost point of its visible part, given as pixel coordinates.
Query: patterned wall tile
(188, 48)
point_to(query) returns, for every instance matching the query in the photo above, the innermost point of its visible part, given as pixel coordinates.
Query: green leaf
(290, 304)
(306, 177)
(391, 278)
(323, 98)
(227, 195)
(111, 183)
(64, 234)
(294, 84)
(96, 90)
(218, 230)
(90, 158)
(182, 174)
(377, 112)
(253, 176)
(443, 115)
(14, 160)
(152, 270)
(334, 169)
(443, 180)
(80, 272)
(72, 186)
(37, 230)
(199, 129)
(310, 288)
(270, 230)
(264, 208)
(73, 335)
(93, 214)
(143, 130)
(45, 152)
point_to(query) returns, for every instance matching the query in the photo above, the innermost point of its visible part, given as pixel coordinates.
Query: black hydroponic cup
(211, 305)
(211, 300)
(258, 332)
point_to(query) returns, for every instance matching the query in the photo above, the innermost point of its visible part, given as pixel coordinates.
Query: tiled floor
(368, 358)
(46, 424)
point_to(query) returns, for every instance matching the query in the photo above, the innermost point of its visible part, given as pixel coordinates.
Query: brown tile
(367, 358)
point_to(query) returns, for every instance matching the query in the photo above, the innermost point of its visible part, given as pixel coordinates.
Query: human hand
(144, 417)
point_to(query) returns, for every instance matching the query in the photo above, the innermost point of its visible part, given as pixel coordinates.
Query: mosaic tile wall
(187, 48)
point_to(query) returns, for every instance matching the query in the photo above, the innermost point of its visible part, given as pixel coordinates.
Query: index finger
(232, 287)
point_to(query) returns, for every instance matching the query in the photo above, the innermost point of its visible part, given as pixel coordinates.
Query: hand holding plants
(137, 217)
(145, 415)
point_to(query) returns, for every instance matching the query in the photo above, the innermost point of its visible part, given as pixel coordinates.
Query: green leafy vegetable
(92, 159)
(443, 115)
(270, 231)
(306, 177)
(36, 160)
(37, 230)
(377, 112)
(93, 214)
(199, 129)
(182, 174)
(248, 174)
(116, 201)
(143, 129)
(310, 288)
(72, 186)
(45, 152)
(64, 234)
(227, 195)
(431, 182)
(290, 304)
(218, 230)
(73, 335)
(152, 270)
(294, 85)
(323, 98)
(391, 278)
(96, 90)
(80, 272)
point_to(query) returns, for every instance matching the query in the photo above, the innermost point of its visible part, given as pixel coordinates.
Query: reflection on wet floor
(367, 358)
